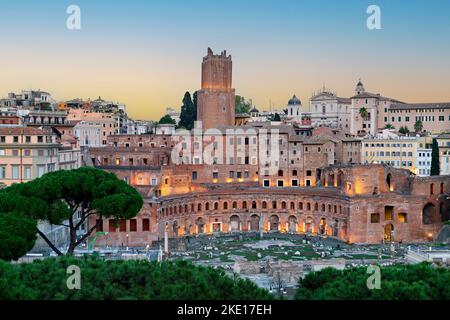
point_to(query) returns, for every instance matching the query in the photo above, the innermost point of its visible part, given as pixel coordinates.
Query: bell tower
(216, 98)
(359, 87)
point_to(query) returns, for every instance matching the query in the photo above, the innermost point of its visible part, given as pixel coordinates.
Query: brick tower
(216, 98)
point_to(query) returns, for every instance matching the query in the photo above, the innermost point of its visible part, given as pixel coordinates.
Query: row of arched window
(285, 205)
(441, 189)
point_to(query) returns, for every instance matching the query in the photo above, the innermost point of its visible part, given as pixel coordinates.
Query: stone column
(261, 225)
(166, 240)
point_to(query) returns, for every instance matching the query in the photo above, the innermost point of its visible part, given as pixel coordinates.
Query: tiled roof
(21, 131)
(364, 95)
(436, 105)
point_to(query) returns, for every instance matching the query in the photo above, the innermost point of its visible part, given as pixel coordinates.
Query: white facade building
(175, 115)
(165, 129)
(423, 160)
(329, 110)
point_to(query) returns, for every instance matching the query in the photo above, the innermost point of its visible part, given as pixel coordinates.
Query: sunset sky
(146, 54)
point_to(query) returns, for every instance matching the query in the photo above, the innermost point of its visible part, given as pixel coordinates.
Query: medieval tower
(216, 98)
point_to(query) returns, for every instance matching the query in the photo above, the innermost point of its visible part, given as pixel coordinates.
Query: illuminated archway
(389, 182)
(322, 226)
(200, 226)
(235, 223)
(254, 222)
(274, 223)
(292, 221)
(389, 232)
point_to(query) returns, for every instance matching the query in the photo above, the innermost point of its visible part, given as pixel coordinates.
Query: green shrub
(398, 282)
(119, 279)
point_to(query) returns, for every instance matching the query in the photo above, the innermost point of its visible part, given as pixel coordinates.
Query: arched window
(234, 205)
(308, 206)
(264, 205)
(294, 173)
(207, 206)
(432, 188)
(274, 204)
(428, 213)
(300, 205)
(323, 207)
(199, 207)
(216, 206)
(254, 205)
(316, 206)
(244, 205)
(280, 173)
(389, 182)
(225, 205)
(283, 205)
(292, 205)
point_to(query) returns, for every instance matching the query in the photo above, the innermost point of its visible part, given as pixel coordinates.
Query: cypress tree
(435, 159)
(188, 112)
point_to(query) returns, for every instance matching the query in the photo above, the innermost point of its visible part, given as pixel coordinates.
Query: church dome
(294, 101)
(254, 110)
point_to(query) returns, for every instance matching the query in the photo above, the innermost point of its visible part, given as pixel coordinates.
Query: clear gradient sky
(146, 54)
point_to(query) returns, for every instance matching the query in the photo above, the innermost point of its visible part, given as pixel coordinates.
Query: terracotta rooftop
(22, 131)
(364, 95)
(437, 105)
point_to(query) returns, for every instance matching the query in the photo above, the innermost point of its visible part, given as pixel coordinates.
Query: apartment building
(26, 153)
(423, 160)
(94, 133)
(396, 150)
(443, 141)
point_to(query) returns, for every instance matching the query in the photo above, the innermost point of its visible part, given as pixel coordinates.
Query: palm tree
(418, 126)
(363, 113)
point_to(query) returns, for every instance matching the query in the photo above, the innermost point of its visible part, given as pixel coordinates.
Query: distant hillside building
(29, 99)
